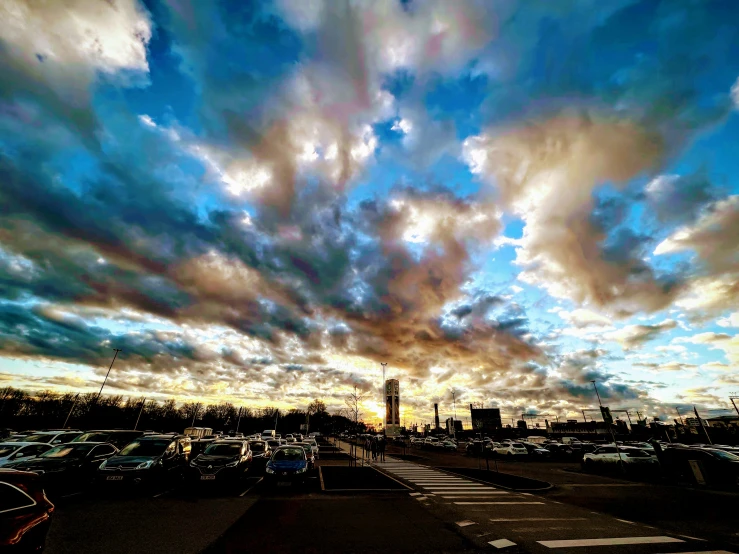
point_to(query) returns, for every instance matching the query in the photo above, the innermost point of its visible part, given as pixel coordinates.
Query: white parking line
(250, 488)
(502, 543)
(163, 493)
(467, 496)
(489, 503)
(501, 519)
(615, 541)
(463, 491)
(466, 523)
(415, 494)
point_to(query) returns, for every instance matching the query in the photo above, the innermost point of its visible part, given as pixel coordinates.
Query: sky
(260, 202)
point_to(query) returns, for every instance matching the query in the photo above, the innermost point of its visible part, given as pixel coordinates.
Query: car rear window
(12, 498)
(288, 454)
(258, 446)
(223, 449)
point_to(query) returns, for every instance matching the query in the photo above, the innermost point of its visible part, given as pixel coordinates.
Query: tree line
(22, 410)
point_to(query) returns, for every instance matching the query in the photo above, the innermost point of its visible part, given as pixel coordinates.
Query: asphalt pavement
(436, 512)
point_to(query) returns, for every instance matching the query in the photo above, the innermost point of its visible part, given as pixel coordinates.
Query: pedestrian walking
(381, 449)
(373, 447)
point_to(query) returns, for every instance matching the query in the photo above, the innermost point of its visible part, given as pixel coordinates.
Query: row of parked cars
(34, 464)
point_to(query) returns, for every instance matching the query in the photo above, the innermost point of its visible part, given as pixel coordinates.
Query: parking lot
(434, 510)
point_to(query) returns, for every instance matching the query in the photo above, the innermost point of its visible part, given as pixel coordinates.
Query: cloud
(735, 93)
(634, 336)
(53, 54)
(581, 318)
(678, 199)
(717, 341)
(731, 321)
(546, 173)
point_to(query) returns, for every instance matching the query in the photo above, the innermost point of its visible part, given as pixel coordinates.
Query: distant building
(723, 421)
(453, 426)
(392, 407)
(436, 417)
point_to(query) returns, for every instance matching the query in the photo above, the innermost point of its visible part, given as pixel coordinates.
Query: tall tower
(436, 417)
(392, 407)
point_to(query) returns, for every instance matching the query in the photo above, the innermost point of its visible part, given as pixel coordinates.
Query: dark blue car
(288, 465)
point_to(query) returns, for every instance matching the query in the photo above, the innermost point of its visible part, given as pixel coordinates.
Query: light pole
(610, 428)
(106, 375)
(383, 399)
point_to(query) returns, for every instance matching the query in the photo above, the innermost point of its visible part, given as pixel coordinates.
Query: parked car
(289, 438)
(536, 451)
(562, 452)
(313, 446)
(117, 437)
(224, 460)
(25, 512)
(52, 437)
(288, 465)
(260, 453)
(449, 445)
(717, 467)
(11, 452)
(147, 460)
(68, 466)
(611, 455)
(511, 449)
(308, 453)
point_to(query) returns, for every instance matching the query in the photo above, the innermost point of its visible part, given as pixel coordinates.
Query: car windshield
(7, 450)
(288, 454)
(223, 449)
(39, 437)
(145, 448)
(92, 437)
(258, 446)
(725, 455)
(273, 444)
(516, 445)
(68, 451)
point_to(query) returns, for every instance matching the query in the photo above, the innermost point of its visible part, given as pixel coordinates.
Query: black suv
(148, 459)
(223, 460)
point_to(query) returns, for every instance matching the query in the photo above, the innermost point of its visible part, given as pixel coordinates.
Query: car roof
(22, 443)
(161, 437)
(17, 476)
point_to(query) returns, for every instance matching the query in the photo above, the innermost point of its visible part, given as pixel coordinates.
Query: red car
(25, 512)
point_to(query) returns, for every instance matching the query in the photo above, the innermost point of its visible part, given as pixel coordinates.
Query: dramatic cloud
(261, 203)
(546, 173)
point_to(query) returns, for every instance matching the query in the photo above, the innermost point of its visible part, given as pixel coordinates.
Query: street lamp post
(610, 428)
(106, 375)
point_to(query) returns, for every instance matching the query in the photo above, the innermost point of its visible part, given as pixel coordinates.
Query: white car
(610, 455)
(313, 446)
(511, 449)
(11, 452)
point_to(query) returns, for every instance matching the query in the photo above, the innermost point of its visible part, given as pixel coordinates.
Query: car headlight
(103, 465)
(144, 465)
(233, 464)
(302, 470)
(269, 470)
(193, 463)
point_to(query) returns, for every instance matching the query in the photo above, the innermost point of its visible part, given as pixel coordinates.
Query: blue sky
(259, 202)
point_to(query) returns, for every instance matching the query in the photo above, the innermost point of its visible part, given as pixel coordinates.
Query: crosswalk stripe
(615, 541)
(490, 503)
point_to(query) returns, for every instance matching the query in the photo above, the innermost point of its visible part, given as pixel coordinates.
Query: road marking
(163, 493)
(484, 493)
(502, 543)
(615, 541)
(250, 488)
(415, 494)
(488, 503)
(708, 551)
(692, 538)
(71, 495)
(625, 521)
(466, 523)
(462, 496)
(538, 519)
(421, 498)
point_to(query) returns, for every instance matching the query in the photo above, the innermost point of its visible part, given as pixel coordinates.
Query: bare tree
(352, 403)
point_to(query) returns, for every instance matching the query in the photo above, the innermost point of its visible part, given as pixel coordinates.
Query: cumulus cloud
(546, 173)
(634, 336)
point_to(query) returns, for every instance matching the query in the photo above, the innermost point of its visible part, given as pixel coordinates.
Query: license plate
(114, 478)
(207, 477)
(283, 483)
